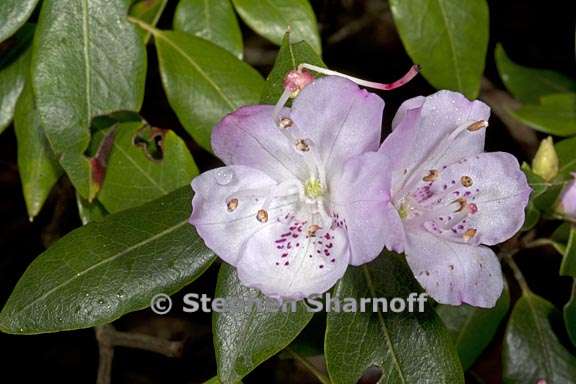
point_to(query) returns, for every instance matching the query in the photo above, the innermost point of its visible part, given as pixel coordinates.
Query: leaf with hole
(107, 268)
(214, 21)
(144, 163)
(409, 347)
(448, 38)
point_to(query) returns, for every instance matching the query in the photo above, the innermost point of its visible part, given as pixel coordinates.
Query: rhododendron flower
(451, 199)
(568, 199)
(300, 195)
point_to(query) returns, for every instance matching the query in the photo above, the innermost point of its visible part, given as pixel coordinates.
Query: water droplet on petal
(224, 176)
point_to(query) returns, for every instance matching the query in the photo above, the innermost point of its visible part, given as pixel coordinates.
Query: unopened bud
(545, 162)
(568, 200)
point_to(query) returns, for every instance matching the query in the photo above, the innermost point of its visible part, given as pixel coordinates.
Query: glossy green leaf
(531, 349)
(90, 211)
(408, 347)
(148, 11)
(13, 15)
(273, 18)
(14, 68)
(203, 81)
(568, 266)
(145, 163)
(529, 84)
(289, 57)
(566, 150)
(88, 61)
(39, 169)
(448, 38)
(472, 328)
(214, 21)
(556, 114)
(245, 338)
(570, 315)
(99, 272)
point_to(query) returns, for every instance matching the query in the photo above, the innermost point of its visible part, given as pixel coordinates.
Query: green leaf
(214, 21)
(472, 328)
(529, 84)
(245, 338)
(273, 18)
(568, 266)
(555, 115)
(90, 211)
(289, 57)
(566, 150)
(531, 349)
(203, 81)
(13, 15)
(88, 61)
(145, 163)
(409, 347)
(39, 169)
(570, 315)
(148, 11)
(107, 268)
(14, 68)
(449, 38)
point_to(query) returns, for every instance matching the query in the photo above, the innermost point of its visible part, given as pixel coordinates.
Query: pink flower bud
(568, 199)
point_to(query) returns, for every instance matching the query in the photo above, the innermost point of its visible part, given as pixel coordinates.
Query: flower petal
(454, 273)
(498, 189)
(225, 230)
(360, 196)
(341, 119)
(282, 261)
(568, 199)
(249, 136)
(422, 127)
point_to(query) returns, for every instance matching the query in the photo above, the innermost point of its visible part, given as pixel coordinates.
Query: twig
(311, 368)
(516, 272)
(501, 102)
(108, 338)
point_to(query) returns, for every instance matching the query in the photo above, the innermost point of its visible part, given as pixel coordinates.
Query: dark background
(359, 38)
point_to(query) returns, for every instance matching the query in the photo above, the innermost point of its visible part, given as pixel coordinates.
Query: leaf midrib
(451, 44)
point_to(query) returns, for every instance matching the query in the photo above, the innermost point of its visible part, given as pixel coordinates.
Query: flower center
(313, 188)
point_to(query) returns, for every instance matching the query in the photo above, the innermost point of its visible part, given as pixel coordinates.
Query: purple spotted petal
(284, 260)
(361, 198)
(249, 136)
(425, 132)
(225, 230)
(454, 273)
(340, 118)
(568, 199)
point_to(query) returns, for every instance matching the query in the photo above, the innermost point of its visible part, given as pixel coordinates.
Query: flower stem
(517, 273)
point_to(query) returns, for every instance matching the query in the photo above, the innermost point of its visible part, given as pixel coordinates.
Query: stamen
(232, 204)
(295, 81)
(285, 123)
(262, 216)
(472, 208)
(470, 233)
(481, 124)
(312, 229)
(433, 175)
(412, 72)
(461, 203)
(466, 181)
(302, 145)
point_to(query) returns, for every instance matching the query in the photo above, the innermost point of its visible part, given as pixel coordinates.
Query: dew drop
(224, 176)
(120, 294)
(101, 301)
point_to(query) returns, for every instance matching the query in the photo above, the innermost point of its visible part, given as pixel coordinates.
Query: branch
(501, 102)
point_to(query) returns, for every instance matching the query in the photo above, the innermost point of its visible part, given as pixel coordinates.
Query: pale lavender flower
(568, 199)
(451, 199)
(300, 195)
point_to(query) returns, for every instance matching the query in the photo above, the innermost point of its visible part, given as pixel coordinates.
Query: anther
(301, 145)
(285, 122)
(470, 233)
(461, 203)
(232, 204)
(481, 124)
(466, 181)
(472, 208)
(296, 80)
(313, 229)
(432, 175)
(262, 216)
